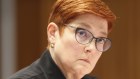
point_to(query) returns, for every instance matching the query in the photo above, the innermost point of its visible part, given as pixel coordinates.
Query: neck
(72, 76)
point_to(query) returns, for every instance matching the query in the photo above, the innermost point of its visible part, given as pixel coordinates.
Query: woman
(77, 36)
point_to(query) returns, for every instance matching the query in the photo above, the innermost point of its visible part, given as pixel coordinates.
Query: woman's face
(72, 56)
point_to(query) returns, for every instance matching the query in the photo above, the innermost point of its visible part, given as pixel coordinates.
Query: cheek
(71, 45)
(94, 58)
(70, 48)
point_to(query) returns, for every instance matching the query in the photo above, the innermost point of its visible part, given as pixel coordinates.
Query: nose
(90, 47)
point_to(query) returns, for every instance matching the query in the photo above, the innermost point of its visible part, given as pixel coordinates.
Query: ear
(52, 31)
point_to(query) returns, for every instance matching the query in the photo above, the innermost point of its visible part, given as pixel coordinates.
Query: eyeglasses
(84, 37)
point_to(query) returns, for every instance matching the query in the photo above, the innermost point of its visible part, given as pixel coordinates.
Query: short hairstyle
(64, 11)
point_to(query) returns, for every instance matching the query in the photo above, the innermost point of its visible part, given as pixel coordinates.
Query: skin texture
(76, 60)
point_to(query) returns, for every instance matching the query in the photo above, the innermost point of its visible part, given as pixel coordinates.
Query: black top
(43, 68)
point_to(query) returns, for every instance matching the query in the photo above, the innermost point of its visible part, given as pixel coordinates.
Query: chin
(82, 70)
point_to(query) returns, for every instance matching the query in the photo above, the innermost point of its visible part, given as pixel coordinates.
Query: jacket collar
(49, 68)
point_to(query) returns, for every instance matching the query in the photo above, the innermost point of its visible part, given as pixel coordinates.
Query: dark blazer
(43, 68)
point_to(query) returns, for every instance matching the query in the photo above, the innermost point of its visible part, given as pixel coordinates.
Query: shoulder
(31, 72)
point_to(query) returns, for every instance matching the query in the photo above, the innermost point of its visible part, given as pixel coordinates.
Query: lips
(85, 60)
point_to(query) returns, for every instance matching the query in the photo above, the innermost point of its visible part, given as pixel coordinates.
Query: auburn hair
(64, 11)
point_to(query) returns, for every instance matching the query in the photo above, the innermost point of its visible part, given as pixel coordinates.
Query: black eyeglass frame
(93, 37)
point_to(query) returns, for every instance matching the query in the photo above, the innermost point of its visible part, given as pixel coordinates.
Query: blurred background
(23, 37)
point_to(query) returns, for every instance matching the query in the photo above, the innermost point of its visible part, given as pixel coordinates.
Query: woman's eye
(81, 33)
(83, 36)
(100, 40)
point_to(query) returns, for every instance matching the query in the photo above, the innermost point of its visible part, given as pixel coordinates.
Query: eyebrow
(104, 33)
(86, 25)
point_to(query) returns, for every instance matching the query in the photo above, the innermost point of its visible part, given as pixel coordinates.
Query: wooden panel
(32, 18)
(28, 31)
(122, 61)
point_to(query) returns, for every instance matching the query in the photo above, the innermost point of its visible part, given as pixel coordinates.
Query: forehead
(95, 24)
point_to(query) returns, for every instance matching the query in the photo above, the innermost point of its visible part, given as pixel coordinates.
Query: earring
(52, 45)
